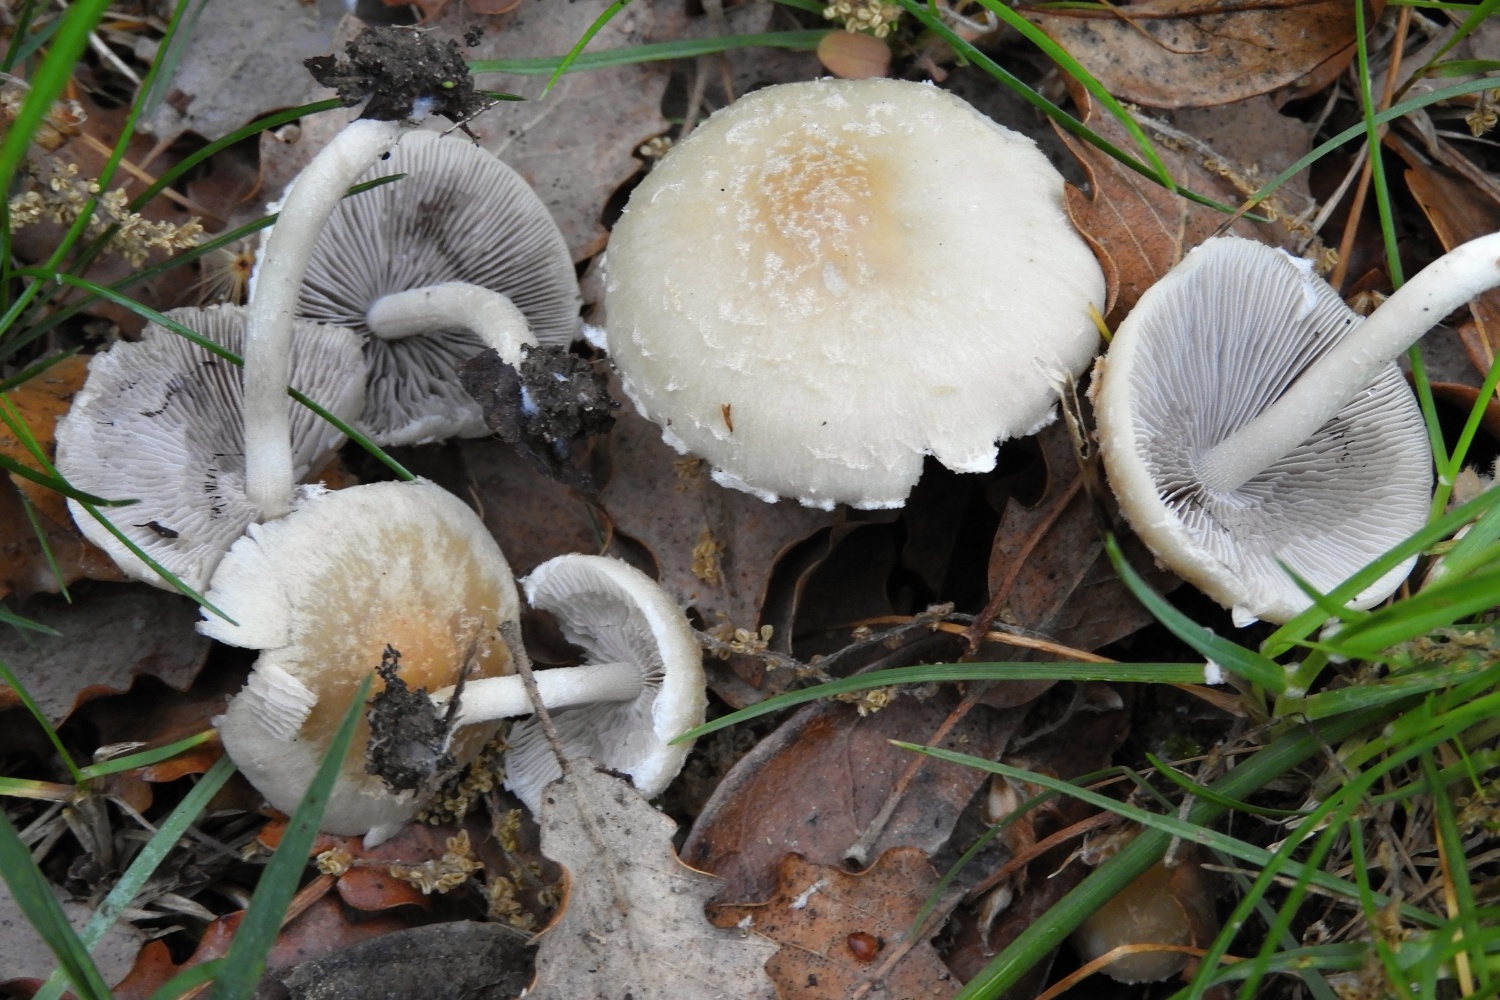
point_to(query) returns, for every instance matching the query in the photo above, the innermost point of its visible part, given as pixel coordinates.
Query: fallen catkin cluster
(59, 195)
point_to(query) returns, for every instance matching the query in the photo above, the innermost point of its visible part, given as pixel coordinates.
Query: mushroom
(457, 256)
(321, 593)
(160, 421)
(404, 73)
(825, 282)
(642, 687)
(1227, 336)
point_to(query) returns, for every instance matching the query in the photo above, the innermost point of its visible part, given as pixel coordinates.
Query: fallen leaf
(242, 62)
(714, 547)
(110, 635)
(23, 564)
(1139, 230)
(532, 517)
(838, 929)
(1198, 53)
(576, 145)
(634, 923)
(24, 955)
(817, 784)
(1047, 567)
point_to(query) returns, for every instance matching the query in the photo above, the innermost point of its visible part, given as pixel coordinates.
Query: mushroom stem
(505, 697)
(268, 454)
(487, 314)
(1338, 376)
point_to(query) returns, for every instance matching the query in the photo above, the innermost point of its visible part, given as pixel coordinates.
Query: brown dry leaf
(715, 547)
(577, 145)
(23, 564)
(532, 517)
(1047, 567)
(839, 929)
(1198, 53)
(112, 634)
(1139, 230)
(1458, 212)
(244, 61)
(816, 785)
(634, 923)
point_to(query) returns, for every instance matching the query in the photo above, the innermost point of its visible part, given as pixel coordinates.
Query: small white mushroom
(322, 593)
(458, 255)
(829, 280)
(1210, 348)
(643, 685)
(160, 421)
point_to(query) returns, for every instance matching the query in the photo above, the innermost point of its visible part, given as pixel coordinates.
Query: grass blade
(145, 864)
(1144, 673)
(146, 758)
(1252, 666)
(278, 883)
(41, 909)
(14, 683)
(686, 48)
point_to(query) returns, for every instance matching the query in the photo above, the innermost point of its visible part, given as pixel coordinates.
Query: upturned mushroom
(825, 283)
(456, 256)
(1249, 420)
(159, 421)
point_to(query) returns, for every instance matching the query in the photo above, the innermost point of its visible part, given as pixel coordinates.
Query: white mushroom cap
(322, 592)
(618, 615)
(460, 215)
(160, 421)
(829, 280)
(1205, 351)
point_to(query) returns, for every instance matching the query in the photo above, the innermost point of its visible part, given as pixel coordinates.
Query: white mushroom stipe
(268, 459)
(488, 315)
(565, 687)
(824, 283)
(160, 421)
(1208, 348)
(1330, 382)
(322, 593)
(619, 616)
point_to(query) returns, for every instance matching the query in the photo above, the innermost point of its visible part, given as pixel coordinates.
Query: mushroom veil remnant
(1230, 331)
(828, 281)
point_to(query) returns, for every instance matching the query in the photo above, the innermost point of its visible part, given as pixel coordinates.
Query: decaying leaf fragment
(839, 929)
(1188, 53)
(634, 923)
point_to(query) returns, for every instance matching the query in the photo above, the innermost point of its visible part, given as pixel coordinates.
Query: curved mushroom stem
(487, 314)
(268, 450)
(505, 697)
(1338, 376)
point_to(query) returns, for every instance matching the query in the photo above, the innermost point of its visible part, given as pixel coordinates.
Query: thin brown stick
(1036, 850)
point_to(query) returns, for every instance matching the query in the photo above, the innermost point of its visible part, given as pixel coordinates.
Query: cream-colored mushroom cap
(322, 592)
(1206, 350)
(621, 616)
(829, 280)
(160, 421)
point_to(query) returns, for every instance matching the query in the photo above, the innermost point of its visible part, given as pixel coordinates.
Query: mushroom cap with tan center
(1205, 351)
(460, 215)
(322, 592)
(829, 280)
(160, 421)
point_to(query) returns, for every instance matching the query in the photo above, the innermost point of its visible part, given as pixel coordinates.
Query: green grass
(1410, 725)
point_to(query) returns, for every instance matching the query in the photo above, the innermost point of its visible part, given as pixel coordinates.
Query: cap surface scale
(459, 215)
(829, 280)
(322, 592)
(1206, 350)
(618, 615)
(161, 421)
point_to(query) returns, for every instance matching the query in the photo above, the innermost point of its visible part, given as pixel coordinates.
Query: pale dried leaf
(634, 924)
